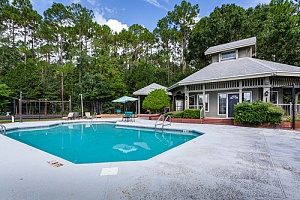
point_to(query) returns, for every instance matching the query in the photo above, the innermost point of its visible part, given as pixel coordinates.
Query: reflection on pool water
(97, 142)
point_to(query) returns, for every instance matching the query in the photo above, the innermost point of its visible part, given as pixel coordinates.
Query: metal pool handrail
(3, 129)
(163, 121)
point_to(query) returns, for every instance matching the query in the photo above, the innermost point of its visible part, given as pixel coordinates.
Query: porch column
(240, 91)
(203, 99)
(266, 90)
(139, 104)
(186, 98)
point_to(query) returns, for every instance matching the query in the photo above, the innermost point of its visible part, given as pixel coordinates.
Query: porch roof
(241, 68)
(231, 46)
(146, 90)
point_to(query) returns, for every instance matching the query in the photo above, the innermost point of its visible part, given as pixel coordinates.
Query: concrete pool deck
(227, 162)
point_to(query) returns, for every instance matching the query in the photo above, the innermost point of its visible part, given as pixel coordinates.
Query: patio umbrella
(124, 99)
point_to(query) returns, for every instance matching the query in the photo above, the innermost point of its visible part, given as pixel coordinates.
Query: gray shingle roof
(238, 69)
(231, 45)
(146, 90)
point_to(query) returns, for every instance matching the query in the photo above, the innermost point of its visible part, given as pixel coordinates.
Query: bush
(290, 119)
(275, 115)
(169, 113)
(257, 112)
(156, 101)
(178, 114)
(191, 113)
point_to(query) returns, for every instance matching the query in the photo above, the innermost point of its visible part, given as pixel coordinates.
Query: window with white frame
(200, 101)
(192, 102)
(222, 103)
(247, 96)
(228, 55)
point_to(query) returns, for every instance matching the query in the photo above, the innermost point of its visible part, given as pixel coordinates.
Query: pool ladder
(164, 121)
(3, 129)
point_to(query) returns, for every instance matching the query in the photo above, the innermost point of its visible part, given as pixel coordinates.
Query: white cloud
(99, 18)
(109, 10)
(76, 1)
(262, 1)
(115, 25)
(91, 2)
(256, 2)
(155, 3)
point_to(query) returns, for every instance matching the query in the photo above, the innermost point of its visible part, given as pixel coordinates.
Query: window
(192, 102)
(179, 105)
(222, 104)
(228, 55)
(274, 97)
(247, 96)
(200, 101)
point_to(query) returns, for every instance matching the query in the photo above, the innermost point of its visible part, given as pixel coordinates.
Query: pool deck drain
(227, 162)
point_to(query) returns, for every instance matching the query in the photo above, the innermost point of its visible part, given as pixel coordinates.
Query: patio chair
(88, 115)
(70, 116)
(118, 111)
(128, 116)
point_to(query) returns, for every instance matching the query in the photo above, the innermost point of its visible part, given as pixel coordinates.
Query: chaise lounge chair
(70, 116)
(88, 115)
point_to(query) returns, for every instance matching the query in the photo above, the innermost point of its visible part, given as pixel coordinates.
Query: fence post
(20, 108)
(293, 108)
(39, 109)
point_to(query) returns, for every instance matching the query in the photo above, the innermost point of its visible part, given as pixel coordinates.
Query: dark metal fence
(41, 109)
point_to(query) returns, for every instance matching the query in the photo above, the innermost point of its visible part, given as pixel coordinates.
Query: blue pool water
(96, 143)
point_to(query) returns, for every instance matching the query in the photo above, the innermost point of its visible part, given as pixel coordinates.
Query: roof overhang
(261, 75)
(231, 46)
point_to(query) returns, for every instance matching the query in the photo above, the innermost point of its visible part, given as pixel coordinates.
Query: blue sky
(120, 14)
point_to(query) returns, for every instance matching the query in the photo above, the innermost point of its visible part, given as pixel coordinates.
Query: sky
(119, 14)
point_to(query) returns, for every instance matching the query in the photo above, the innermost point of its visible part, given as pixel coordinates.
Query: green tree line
(65, 53)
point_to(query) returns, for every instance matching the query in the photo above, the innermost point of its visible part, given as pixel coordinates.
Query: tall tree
(280, 38)
(225, 24)
(28, 20)
(183, 18)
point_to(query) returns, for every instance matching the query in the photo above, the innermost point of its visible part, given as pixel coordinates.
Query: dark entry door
(232, 100)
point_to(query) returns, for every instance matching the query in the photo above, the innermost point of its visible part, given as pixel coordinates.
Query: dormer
(233, 50)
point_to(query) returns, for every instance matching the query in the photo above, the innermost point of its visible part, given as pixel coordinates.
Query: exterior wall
(213, 110)
(257, 88)
(213, 105)
(240, 53)
(215, 58)
(243, 52)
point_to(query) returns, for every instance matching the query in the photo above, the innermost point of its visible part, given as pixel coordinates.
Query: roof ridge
(263, 64)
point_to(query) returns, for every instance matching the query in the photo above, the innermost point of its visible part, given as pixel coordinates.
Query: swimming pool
(100, 142)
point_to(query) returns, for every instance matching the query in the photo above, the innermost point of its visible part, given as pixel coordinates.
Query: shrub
(251, 113)
(169, 113)
(191, 113)
(156, 101)
(257, 112)
(178, 114)
(275, 115)
(290, 119)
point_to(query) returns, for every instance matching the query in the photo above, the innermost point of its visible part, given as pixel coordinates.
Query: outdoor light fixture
(266, 93)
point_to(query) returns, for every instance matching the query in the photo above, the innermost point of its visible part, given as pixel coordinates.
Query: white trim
(208, 103)
(179, 100)
(219, 104)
